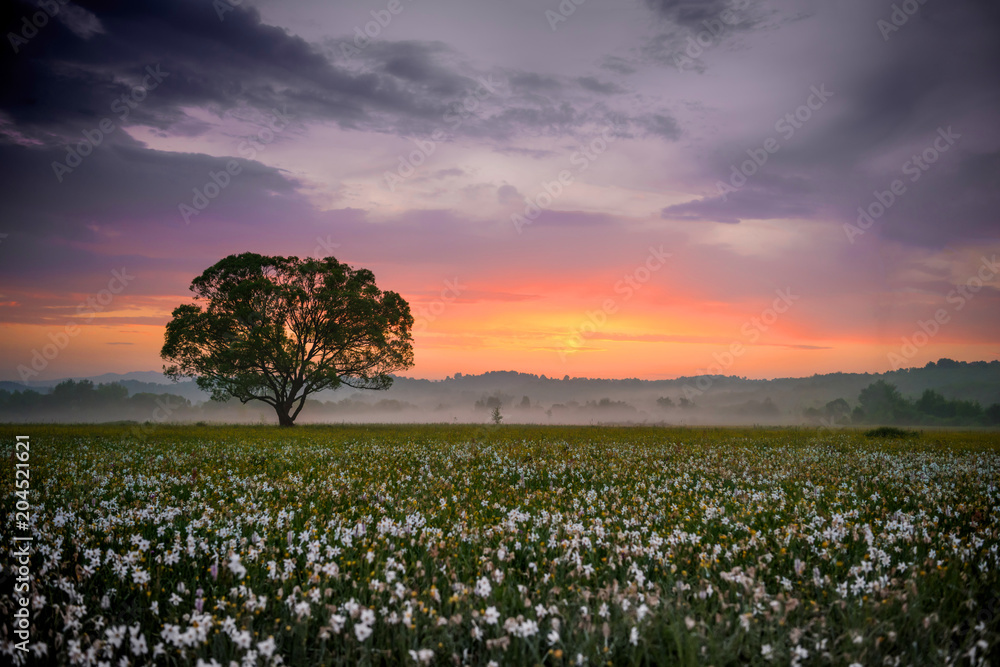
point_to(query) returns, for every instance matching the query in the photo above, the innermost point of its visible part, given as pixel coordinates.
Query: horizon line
(566, 378)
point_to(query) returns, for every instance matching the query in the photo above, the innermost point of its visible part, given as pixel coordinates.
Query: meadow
(455, 545)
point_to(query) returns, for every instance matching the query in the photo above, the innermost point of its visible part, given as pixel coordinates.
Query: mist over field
(522, 398)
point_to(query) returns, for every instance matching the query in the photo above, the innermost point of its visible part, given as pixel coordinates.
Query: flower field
(515, 545)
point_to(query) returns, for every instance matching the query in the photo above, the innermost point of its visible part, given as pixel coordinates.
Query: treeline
(84, 401)
(882, 403)
(603, 407)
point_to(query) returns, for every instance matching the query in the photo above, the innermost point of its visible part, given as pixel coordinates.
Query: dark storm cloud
(122, 183)
(120, 209)
(597, 86)
(107, 209)
(423, 64)
(531, 82)
(892, 100)
(750, 203)
(961, 200)
(63, 81)
(939, 73)
(618, 65)
(105, 214)
(660, 125)
(687, 13)
(544, 119)
(690, 29)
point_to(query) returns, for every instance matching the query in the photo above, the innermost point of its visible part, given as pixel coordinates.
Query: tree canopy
(277, 329)
(882, 402)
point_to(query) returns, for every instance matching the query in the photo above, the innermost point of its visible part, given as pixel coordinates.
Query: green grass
(646, 545)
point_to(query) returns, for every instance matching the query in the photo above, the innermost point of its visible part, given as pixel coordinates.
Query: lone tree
(277, 329)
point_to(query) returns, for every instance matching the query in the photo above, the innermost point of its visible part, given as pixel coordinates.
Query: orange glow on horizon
(580, 330)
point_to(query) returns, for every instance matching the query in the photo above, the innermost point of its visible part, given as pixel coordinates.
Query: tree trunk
(283, 418)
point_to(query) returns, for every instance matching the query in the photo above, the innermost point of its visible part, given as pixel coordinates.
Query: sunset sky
(603, 188)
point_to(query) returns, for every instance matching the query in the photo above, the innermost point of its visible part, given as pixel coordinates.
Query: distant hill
(186, 389)
(978, 381)
(152, 377)
(537, 398)
(6, 385)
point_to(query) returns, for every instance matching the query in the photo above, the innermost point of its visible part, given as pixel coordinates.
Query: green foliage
(992, 414)
(933, 404)
(608, 404)
(765, 408)
(835, 413)
(837, 408)
(882, 403)
(83, 401)
(492, 402)
(277, 329)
